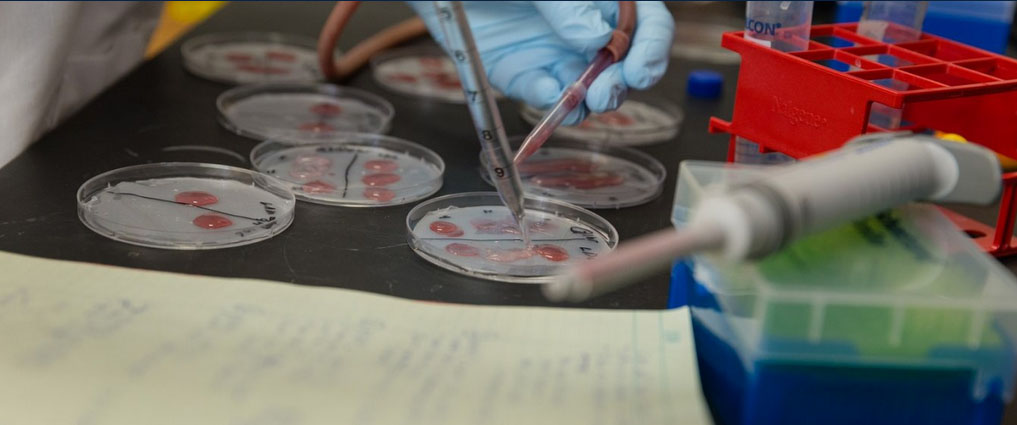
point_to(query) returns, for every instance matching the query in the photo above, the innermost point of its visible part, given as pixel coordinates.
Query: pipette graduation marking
(756, 219)
(483, 109)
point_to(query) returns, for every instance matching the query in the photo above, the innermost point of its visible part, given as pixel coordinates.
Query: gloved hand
(533, 50)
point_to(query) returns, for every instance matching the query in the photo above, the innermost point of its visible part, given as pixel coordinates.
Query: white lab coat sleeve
(56, 56)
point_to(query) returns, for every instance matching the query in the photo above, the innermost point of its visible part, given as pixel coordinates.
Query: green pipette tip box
(904, 288)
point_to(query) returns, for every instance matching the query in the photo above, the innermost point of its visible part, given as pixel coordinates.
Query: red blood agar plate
(474, 234)
(587, 174)
(421, 71)
(301, 112)
(252, 57)
(353, 170)
(642, 120)
(185, 205)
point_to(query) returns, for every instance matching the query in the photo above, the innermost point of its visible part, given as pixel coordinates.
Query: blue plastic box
(982, 24)
(898, 319)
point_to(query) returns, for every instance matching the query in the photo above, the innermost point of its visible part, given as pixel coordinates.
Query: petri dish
(353, 170)
(300, 112)
(588, 175)
(252, 57)
(421, 71)
(185, 205)
(642, 120)
(474, 234)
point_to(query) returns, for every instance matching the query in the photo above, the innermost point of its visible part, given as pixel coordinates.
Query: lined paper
(88, 344)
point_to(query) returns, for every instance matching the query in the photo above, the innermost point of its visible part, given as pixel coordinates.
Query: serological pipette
(575, 93)
(483, 108)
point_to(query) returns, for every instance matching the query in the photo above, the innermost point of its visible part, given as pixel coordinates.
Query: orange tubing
(343, 67)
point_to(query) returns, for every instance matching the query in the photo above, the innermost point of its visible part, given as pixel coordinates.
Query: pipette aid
(575, 93)
(870, 174)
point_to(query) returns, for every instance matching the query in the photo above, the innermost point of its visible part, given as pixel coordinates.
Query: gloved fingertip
(544, 92)
(608, 91)
(646, 64)
(580, 23)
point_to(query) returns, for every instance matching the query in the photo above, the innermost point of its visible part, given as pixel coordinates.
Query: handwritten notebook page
(88, 344)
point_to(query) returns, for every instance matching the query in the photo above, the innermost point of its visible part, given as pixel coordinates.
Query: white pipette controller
(869, 174)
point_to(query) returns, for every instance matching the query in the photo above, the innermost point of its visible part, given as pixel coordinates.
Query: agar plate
(419, 71)
(642, 120)
(474, 234)
(252, 57)
(185, 205)
(353, 170)
(297, 112)
(588, 175)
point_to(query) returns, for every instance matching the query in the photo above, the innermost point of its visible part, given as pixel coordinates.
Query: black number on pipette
(500, 172)
(459, 55)
(473, 95)
(486, 134)
(445, 14)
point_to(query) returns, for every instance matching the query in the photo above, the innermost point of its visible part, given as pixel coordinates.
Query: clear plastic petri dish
(252, 57)
(641, 120)
(185, 205)
(588, 175)
(421, 71)
(353, 170)
(298, 112)
(474, 234)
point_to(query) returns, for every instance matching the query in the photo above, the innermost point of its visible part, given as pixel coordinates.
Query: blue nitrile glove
(533, 50)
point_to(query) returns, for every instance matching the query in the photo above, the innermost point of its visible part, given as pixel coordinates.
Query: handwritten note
(88, 345)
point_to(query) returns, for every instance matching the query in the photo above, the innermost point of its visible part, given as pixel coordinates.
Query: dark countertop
(160, 105)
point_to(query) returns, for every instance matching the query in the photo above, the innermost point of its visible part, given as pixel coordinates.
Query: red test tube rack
(811, 101)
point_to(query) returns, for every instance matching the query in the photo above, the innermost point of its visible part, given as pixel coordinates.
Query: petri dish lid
(474, 234)
(420, 71)
(353, 170)
(641, 120)
(252, 57)
(587, 174)
(298, 112)
(185, 205)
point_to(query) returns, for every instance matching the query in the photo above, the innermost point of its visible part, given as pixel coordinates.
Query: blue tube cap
(705, 84)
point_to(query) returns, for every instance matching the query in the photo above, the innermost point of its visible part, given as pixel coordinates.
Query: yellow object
(177, 18)
(121, 346)
(1007, 163)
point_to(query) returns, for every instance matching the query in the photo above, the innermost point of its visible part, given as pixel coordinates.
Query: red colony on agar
(212, 221)
(382, 165)
(379, 194)
(280, 56)
(318, 186)
(552, 252)
(615, 118)
(310, 166)
(196, 198)
(326, 109)
(405, 78)
(380, 179)
(446, 228)
(579, 180)
(462, 250)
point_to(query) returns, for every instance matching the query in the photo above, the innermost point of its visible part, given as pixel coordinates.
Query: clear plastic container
(252, 57)
(184, 205)
(588, 175)
(899, 318)
(353, 170)
(302, 113)
(642, 120)
(781, 25)
(421, 71)
(475, 234)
